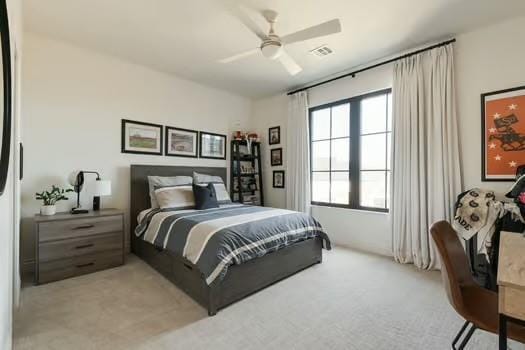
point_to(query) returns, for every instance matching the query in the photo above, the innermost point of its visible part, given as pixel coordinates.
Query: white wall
(74, 100)
(487, 59)
(8, 212)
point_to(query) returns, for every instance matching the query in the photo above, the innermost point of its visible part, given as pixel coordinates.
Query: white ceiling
(188, 37)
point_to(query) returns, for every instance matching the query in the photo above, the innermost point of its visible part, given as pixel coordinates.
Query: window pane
(321, 124)
(340, 188)
(321, 155)
(389, 124)
(388, 184)
(321, 187)
(373, 189)
(373, 152)
(341, 120)
(388, 149)
(373, 114)
(340, 154)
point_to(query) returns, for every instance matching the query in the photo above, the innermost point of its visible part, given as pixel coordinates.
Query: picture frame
(141, 138)
(278, 179)
(211, 145)
(181, 142)
(502, 133)
(276, 156)
(274, 135)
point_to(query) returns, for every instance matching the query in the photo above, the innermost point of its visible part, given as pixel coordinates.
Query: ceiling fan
(272, 45)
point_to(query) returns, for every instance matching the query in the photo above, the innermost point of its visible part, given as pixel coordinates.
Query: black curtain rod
(352, 74)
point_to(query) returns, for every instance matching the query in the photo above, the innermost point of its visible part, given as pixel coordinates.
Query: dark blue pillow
(205, 197)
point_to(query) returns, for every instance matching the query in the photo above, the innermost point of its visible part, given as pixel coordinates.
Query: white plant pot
(48, 210)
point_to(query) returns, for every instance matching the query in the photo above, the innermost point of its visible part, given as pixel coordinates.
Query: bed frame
(241, 280)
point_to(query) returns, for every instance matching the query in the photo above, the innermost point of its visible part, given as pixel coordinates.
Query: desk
(511, 282)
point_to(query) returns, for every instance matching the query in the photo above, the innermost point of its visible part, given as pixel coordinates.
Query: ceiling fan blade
(240, 55)
(326, 28)
(289, 64)
(242, 15)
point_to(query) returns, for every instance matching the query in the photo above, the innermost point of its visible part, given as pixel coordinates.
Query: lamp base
(96, 203)
(79, 211)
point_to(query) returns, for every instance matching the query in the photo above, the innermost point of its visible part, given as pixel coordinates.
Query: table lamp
(102, 188)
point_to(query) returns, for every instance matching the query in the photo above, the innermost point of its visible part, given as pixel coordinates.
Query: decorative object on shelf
(278, 178)
(212, 146)
(102, 188)
(181, 142)
(274, 135)
(50, 198)
(503, 133)
(246, 184)
(276, 156)
(5, 123)
(141, 138)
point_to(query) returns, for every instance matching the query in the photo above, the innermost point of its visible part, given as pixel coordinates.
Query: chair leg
(467, 337)
(460, 333)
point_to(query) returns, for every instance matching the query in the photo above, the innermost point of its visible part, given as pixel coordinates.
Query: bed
(220, 288)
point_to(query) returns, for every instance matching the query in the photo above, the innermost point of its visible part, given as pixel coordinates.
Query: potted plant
(50, 198)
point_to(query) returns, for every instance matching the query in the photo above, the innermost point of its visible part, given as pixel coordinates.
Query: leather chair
(477, 305)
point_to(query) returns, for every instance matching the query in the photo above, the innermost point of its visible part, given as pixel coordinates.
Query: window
(350, 144)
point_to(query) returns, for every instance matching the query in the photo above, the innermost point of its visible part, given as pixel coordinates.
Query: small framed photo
(212, 146)
(278, 178)
(276, 156)
(141, 138)
(181, 142)
(502, 134)
(274, 135)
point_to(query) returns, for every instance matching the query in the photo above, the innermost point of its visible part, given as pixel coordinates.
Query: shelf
(246, 175)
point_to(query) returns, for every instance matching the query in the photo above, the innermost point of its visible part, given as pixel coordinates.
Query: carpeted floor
(351, 301)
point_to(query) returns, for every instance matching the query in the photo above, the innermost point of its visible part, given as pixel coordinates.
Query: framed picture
(502, 134)
(274, 135)
(278, 178)
(212, 146)
(141, 138)
(276, 156)
(181, 142)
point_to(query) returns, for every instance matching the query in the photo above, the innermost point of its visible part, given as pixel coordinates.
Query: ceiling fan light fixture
(272, 50)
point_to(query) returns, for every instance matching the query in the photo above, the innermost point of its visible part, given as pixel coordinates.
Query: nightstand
(70, 245)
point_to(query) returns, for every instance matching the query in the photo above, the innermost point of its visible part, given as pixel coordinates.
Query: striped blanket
(214, 239)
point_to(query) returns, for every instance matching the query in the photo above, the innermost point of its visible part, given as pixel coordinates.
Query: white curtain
(426, 166)
(298, 154)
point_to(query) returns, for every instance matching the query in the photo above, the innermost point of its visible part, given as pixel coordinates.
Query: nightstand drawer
(78, 265)
(49, 231)
(79, 246)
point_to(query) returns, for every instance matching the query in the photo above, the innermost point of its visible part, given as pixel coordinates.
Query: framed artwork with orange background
(503, 134)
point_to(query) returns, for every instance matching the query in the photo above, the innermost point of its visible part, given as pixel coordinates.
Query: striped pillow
(165, 181)
(221, 192)
(175, 197)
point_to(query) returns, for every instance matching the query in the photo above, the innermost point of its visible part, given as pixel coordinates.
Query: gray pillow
(220, 189)
(165, 181)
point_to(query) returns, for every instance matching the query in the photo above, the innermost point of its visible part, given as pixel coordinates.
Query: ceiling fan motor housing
(272, 47)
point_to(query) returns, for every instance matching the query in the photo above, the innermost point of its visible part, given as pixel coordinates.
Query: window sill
(363, 211)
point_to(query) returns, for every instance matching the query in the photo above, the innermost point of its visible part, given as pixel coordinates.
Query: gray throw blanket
(214, 239)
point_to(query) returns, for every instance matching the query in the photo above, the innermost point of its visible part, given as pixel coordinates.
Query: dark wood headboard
(139, 191)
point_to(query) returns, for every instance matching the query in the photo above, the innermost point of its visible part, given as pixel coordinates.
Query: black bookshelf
(246, 185)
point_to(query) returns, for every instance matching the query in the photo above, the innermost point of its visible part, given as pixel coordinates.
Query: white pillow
(223, 197)
(165, 181)
(177, 197)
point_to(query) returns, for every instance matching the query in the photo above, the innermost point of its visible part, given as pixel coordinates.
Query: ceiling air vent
(322, 51)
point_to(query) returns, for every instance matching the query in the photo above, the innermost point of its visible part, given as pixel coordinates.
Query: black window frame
(355, 152)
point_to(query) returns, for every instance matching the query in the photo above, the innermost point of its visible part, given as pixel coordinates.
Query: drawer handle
(85, 265)
(83, 227)
(84, 246)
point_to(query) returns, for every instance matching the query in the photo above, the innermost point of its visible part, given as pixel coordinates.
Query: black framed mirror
(5, 102)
